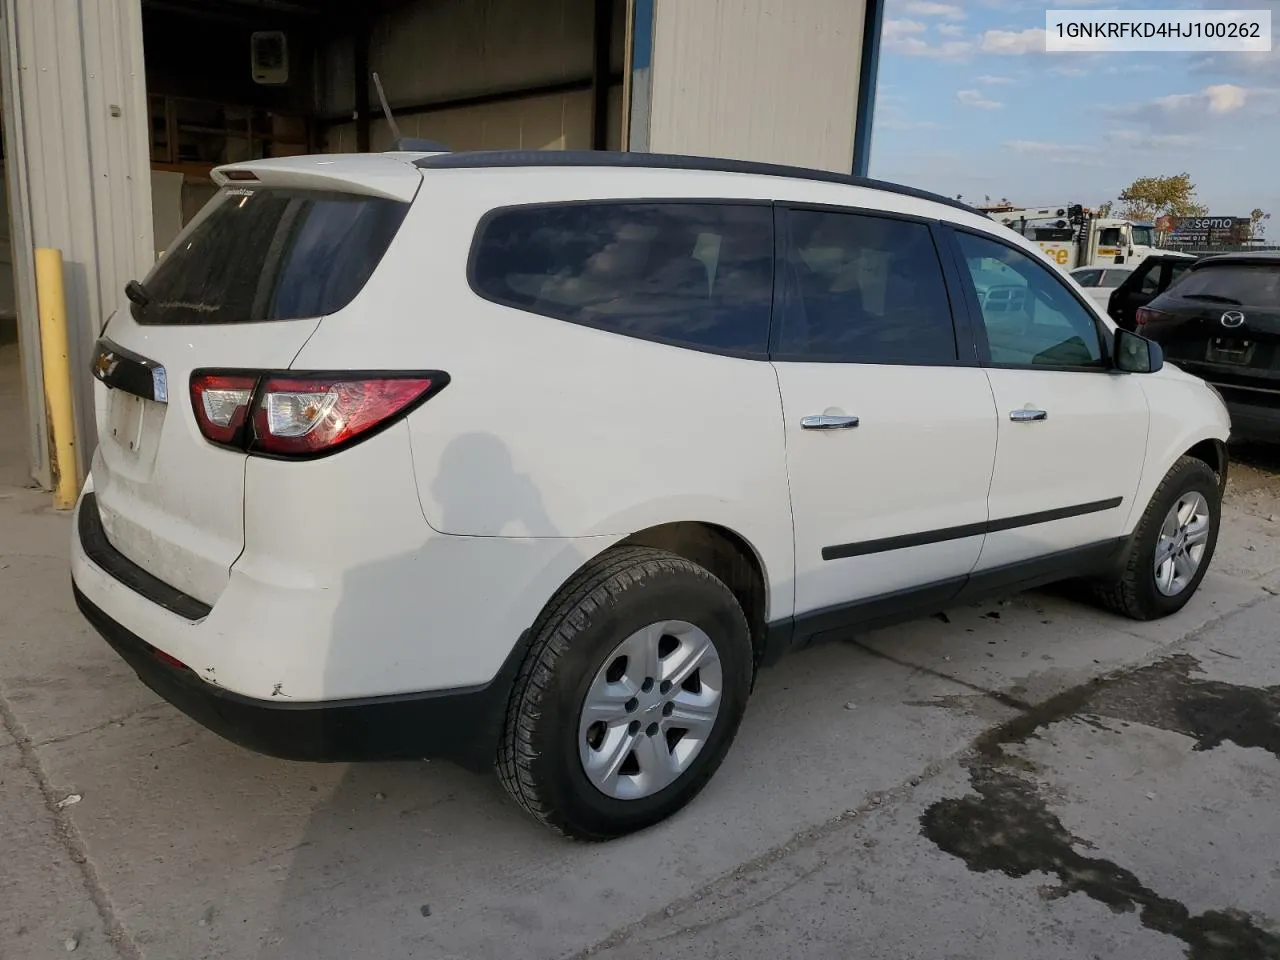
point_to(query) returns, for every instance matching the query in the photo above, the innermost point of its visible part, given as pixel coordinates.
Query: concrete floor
(959, 787)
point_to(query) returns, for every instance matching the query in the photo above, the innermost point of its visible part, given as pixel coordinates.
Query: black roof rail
(668, 161)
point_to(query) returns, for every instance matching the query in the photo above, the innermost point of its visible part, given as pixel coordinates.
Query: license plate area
(1229, 350)
(134, 426)
(127, 414)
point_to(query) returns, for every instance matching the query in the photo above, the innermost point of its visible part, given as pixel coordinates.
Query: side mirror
(1137, 354)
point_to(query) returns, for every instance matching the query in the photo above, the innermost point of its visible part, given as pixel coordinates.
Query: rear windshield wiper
(137, 293)
(1211, 297)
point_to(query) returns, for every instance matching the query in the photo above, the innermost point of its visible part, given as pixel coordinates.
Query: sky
(968, 102)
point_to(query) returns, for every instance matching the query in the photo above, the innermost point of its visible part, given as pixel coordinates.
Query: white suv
(533, 459)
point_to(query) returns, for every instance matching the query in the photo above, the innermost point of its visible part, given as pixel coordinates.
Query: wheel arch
(726, 554)
(1213, 452)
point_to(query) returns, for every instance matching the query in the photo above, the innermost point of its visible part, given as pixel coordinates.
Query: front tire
(1171, 547)
(634, 686)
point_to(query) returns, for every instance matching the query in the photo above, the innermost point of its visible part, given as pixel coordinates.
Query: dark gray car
(1222, 322)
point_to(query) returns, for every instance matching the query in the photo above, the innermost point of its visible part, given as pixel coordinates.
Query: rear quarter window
(692, 274)
(268, 253)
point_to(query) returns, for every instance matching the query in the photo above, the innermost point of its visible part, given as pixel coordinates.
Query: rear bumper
(458, 725)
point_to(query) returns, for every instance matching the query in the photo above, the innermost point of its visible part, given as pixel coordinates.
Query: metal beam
(872, 26)
(573, 85)
(602, 44)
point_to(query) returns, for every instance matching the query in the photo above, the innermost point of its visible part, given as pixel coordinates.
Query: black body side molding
(834, 623)
(861, 549)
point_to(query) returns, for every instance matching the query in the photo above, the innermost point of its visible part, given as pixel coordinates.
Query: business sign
(1209, 229)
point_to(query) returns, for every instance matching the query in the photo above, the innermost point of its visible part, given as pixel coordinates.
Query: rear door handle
(828, 422)
(1028, 416)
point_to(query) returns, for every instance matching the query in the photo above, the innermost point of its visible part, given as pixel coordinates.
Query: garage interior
(120, 109)
(233, 80)
(274, 78)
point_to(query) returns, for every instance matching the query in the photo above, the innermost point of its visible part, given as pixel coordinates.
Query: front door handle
(1028, 416)
(828, 422)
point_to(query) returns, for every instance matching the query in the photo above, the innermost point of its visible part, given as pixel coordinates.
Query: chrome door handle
(828, 422)
(1028, 416)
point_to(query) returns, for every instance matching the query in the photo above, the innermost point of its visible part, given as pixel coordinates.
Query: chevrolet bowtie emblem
(104, 364)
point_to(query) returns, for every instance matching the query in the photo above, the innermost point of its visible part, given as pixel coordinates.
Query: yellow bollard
(56, 362)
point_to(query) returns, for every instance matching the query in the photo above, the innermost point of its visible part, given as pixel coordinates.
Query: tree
(1104, 209)
(1150, 197)
(1256, 229)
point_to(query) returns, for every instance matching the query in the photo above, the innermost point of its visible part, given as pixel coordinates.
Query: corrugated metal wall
(766, 80)
(77, 82)
(433, 52)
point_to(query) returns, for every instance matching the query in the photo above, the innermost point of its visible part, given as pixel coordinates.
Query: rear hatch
(282, 245)
(1222, 322)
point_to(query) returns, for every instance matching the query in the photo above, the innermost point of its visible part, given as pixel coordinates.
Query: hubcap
(650, 709)
(1180, 548)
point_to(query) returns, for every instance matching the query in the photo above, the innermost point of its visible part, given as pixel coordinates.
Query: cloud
(1217, 99)
(1225, 97)
(1250, 66)
(1068, 71)
(923, 8)
(975, 99)
(902, 36)
(1014, 43)
(897, 29)
(1188, 112)
(899, 122)
(991, 80)
(950, 29)
(1075, 154)
(1153, 141)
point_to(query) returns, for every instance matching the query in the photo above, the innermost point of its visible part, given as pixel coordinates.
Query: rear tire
(595, 779)
(1145, 589)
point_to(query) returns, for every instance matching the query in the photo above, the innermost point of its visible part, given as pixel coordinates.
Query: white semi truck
(1072, 236)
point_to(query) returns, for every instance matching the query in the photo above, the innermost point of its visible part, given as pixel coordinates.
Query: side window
(1030, 316)
(1150, 282)
(692, 274)
(1176, 272)
(1088, 278)
(863, 289)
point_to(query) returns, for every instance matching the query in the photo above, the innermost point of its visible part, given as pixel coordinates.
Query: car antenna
(403, 143)
(386, 110)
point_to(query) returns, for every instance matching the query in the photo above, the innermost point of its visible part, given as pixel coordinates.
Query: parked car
(531, 460)
(1222, 322)
(1150, 278)
(1100, 282)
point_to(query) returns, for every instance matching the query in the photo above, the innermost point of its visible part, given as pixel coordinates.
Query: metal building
(115, 111)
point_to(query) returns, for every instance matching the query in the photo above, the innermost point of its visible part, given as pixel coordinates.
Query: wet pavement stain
(1168, 696)
(1008, 827)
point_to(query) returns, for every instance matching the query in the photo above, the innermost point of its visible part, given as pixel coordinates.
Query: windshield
(270, 253)
(1252, 284)
(1142, 236)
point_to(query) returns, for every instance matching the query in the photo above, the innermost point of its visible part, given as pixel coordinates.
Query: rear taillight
(305, 417)
(1146, 315)
(297, 416)
(221, 404)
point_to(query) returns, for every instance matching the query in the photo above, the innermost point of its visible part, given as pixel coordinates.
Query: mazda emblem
(1232, 319)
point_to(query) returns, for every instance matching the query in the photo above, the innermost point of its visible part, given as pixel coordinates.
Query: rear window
(1254, 284)
(268, 253)
(697, 275)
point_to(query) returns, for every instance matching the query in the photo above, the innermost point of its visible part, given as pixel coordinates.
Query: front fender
(1185, 413)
